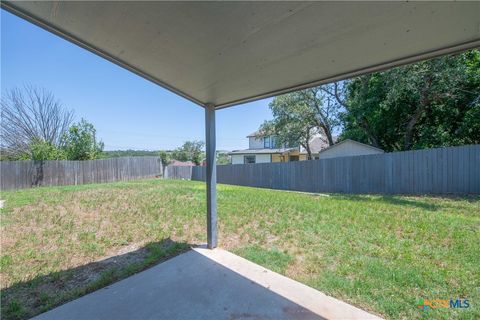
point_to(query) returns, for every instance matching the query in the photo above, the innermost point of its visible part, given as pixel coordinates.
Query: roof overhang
(262, 151)
(227, 53)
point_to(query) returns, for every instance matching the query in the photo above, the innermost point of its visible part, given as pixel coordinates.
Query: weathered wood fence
(452, 170)
(178, 172)
(27, 174)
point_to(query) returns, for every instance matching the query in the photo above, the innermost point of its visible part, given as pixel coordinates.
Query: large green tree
(427, 104)
(80, 142)
(40, 150)
(223, 158)
(190, 151)
(299, 115)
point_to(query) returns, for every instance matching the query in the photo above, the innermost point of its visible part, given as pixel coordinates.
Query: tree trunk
(307, 148)
(373, 139)
(328, 133)
(307, 145)
(363, 122)
(309, 152)
(37, 177)
(422, 105)
(410, 128)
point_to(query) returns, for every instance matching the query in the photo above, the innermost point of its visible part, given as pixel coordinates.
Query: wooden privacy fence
(453, 170)
(27, 174)
(178, 172)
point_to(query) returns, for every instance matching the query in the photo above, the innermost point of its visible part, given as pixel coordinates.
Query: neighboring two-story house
(263, 149)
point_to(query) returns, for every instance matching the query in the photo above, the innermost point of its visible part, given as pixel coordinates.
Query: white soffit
(227, 53)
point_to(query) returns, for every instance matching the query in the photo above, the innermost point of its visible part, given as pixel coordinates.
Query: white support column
(211, 177)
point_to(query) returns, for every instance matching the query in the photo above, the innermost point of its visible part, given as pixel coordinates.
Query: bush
(40, 149)
(80, 143)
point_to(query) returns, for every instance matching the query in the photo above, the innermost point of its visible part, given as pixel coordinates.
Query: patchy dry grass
(379, 253)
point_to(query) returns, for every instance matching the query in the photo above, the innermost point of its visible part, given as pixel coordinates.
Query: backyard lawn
(380, 253)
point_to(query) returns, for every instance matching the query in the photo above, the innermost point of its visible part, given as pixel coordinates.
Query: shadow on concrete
(197, 284)
(23, 300)
(189, 286)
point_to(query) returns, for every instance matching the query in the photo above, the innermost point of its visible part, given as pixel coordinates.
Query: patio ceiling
(229, 53)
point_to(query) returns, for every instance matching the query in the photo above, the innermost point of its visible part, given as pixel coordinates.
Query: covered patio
(207, 284)
(219, 55)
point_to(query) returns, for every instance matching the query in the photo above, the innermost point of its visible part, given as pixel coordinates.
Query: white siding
(237, 159)
(262, 158)
(259, 158)
(255, 143)
(259, 143)
(347, 148)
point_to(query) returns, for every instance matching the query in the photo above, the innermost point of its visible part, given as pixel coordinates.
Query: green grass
(380, 253)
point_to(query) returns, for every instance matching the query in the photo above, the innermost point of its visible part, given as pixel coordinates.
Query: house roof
(352, 141)
(227, 53)
(179, 163)
(258, 133)
(262, 151)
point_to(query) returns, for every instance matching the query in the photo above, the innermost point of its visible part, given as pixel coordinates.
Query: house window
(273, 142)
(293, 158)
(248, 159)
(266, 142)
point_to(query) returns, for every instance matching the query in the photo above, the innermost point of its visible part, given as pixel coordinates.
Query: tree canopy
(190, 151)
(80, 142)
(431, 103)
(300, 115)
(41, 150)
(427, 104)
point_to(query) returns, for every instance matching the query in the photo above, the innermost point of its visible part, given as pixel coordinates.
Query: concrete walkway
(206, 284)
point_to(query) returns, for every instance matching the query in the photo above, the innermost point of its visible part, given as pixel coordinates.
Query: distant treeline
(129, 153)
(181, 154)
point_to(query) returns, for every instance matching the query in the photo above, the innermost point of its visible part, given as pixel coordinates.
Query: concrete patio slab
(206, 284)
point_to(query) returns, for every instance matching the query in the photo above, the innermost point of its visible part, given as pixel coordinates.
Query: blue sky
(128, 111)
